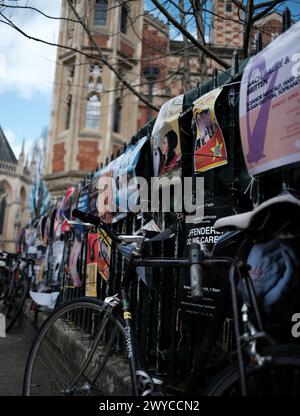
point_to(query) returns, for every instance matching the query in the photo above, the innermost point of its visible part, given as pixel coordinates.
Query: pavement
(14, 349)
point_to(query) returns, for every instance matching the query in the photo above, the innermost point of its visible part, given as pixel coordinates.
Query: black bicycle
(88, 347)
(15, 288)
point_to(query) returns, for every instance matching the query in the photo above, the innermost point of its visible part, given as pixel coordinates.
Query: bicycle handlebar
(96, 221)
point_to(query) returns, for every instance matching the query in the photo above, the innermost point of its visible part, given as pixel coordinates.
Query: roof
(6, 153)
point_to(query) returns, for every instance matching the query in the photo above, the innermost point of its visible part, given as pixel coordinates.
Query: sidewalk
(14, 350)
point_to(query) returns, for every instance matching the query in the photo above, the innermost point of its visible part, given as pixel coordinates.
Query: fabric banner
(210, 150)
(165, 139)
(270, 105)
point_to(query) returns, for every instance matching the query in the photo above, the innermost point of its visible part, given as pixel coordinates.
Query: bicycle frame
(240, 268)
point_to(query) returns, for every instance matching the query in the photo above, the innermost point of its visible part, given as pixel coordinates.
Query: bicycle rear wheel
(281, 377)
(62, 346)
(14, 297)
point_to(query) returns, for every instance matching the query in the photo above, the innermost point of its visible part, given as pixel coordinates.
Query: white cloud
(28, 66)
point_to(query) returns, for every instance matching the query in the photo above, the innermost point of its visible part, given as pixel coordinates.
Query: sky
(27, 71)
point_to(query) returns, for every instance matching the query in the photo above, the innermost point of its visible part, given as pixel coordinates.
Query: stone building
(92, 113)
(15, 183)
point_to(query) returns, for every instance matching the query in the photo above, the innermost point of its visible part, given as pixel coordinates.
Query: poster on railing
(126, 184)
(115, 185)
(63, 212)
(73, 260)
(92, 265)
(165, 139)
(210, 150)
(57, 256)
(105, 197)
(270, 105)
(104, 255)
(81, 201)
(204, 234)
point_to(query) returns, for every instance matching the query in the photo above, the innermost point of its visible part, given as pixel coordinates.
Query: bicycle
(15, 289)
(81, 371)
(4, 261)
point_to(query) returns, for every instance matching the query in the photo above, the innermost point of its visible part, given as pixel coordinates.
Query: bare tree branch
(11, 6)
(240, 5)
(248, 26)
(174, 22)
(265, 4)
(266, 10)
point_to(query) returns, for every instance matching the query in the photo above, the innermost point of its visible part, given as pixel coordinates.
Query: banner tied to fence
(270, 105)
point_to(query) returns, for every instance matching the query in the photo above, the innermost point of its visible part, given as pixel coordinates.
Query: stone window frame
(105, 21)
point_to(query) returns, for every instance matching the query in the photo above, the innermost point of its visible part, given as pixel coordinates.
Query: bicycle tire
(273, 379)
(50, 339)
(4, 279)
(13, 302)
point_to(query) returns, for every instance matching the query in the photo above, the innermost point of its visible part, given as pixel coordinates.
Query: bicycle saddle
(278, 217)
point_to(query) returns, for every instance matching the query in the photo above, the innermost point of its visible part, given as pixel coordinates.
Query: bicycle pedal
(157, 381)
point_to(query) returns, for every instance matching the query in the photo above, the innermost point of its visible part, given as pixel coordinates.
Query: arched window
(2, 207)
(92, 116)
(93, 105)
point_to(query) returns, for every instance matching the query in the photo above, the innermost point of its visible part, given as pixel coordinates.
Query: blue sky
(27, 71)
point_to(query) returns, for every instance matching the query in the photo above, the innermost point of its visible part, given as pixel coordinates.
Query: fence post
(215, 78)
(234, 63)
(258, 42)
(232, 99)
(286, 19)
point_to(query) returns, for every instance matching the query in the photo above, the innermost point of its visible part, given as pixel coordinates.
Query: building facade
(90, 107)
(15, 184)
(92, 113)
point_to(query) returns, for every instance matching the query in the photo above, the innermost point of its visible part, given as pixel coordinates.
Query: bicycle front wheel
(281, 377)
(78, 336)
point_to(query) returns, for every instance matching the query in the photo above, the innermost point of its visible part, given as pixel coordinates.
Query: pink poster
(270, 105)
